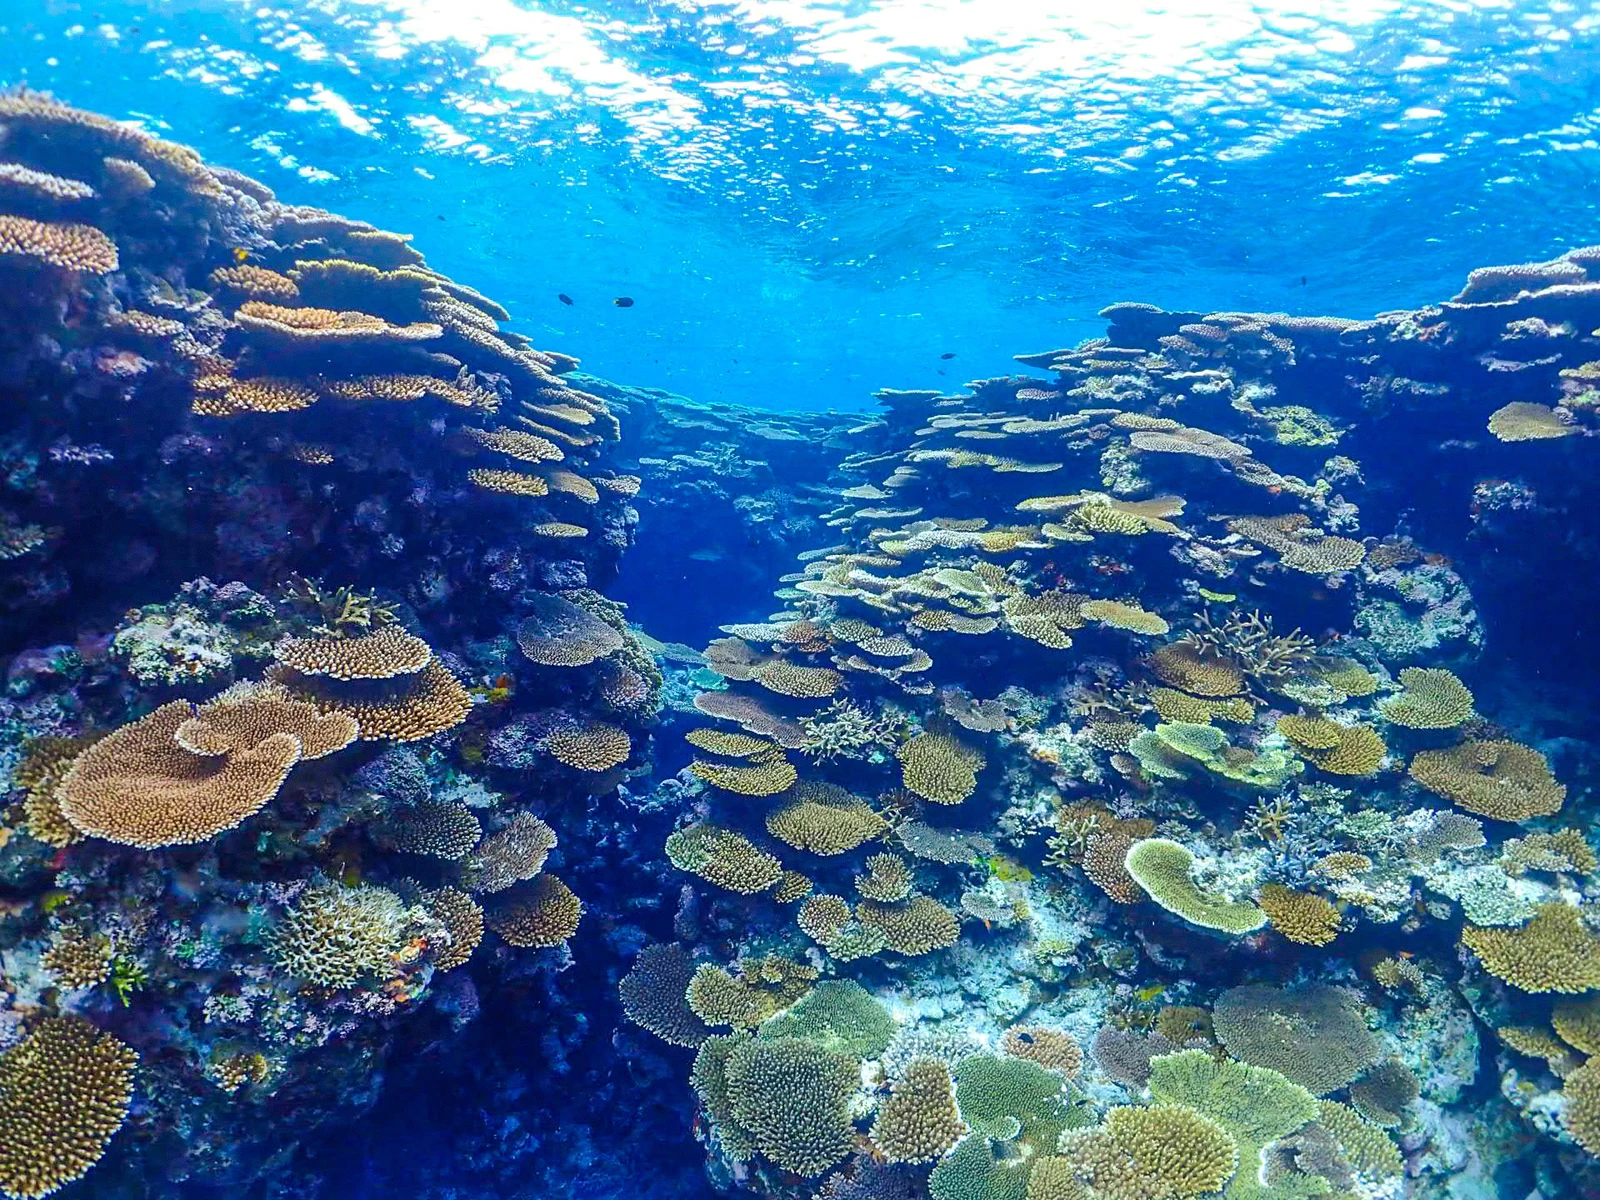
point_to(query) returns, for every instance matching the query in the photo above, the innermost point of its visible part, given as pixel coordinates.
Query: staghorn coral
(1198, 670)
(256, 283)
(1505, 781)
(44, 764)
(1581, 1113)
(767, 773)
(336, 936)
(589, 745)
(247, 714)
(792, 886)
(65, 1090)
(791, 1097)
(1577, 1022)
(723, 857)
(1105, 863)
(654, 991)
(542, 913)
(837, 1014)
(1433, 699)
(462, 918)
(1554, 952)
(1384, 1093)
(385, 653)
(408, 708)
(1302, 917)
(938, 768)
(138, 787)
(1163, 869)
(790, 679)
(719, 998)
(1125, 616)
(1314, 1035)
(1521, 421)
(919, 1120)
(1561, 850)
(888, 878)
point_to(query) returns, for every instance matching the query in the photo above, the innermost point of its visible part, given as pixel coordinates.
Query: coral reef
(280, 789)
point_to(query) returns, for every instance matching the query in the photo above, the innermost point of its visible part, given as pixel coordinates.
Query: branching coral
(1302, 917)
(462, 919)
(337, 936)
(1433, 699)
(512, 854)
(916, 925)
(654, 991)
(64, 1092)
(558, 633)
(792, 1099)
(824, 819)
(542, 913)
(1053, 1049)
(837, 1014)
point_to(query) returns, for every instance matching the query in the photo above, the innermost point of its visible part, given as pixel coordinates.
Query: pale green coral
(1185, 750)
(837, 1014)
(1164, 869)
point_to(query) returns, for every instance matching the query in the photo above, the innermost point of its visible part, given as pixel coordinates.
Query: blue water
(811, 200)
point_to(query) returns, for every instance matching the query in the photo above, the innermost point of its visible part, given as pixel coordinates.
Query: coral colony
(1113, 811)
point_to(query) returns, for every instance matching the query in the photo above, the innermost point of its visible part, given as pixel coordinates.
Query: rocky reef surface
(1164, 772)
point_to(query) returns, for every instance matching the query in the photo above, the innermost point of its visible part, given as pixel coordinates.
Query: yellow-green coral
(1302, 917)
(1433, 699)
(1554, 952)
(723, 857)
(1505, 781)
(1163, 869)
(919, 1120)
(792, 1097)
(940, 769)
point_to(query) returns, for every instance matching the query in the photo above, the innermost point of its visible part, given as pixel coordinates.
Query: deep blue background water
(809, 199)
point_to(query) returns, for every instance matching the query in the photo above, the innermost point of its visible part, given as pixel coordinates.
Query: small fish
(1302, 281)
(950, 354)
(623, 302)
(564, 298)
(1150, 991)
(240, 254)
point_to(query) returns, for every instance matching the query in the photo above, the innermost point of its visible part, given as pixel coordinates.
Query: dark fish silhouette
(623, 302)
(564, 298)
(952, 354)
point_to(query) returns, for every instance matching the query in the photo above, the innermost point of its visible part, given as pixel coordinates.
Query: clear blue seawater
(808, 200)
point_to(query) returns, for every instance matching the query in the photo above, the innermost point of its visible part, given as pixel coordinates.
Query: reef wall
(1142, 790)
(307, 672)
